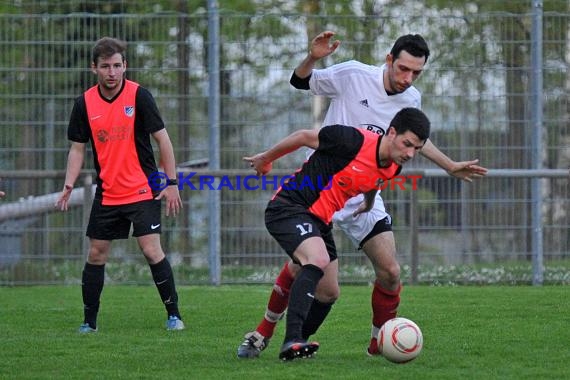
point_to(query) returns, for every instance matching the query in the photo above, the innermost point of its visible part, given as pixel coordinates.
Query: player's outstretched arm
(75, 159)
(262, 163)
(464, 170)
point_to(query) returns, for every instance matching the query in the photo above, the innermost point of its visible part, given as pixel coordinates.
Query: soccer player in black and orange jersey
(347, 161)
(368, 97)
(119, 117)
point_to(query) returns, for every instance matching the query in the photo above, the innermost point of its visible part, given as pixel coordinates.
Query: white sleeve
(329, 81)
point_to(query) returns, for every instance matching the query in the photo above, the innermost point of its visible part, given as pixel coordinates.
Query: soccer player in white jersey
(368, 97)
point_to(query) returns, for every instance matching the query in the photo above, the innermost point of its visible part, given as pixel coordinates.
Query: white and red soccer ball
(400, 340)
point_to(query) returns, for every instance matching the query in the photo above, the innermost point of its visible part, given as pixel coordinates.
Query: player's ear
(93, 68)
(389, 59)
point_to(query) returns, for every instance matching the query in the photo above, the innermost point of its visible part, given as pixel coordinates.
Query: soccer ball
(400, 340)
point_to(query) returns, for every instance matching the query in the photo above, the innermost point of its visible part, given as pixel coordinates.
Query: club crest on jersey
(129, 111)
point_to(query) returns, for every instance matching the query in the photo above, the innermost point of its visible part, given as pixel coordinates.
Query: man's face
(404, 147)
(402, 71)
(110, 72)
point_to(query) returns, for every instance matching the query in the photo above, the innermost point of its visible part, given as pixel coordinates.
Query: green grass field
(488, 332)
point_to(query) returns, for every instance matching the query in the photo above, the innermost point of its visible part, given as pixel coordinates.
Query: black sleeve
(340, 140)
(147, 112)
(78, 129)
(300, 83)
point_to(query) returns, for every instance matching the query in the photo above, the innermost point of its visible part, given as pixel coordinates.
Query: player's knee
(389, 273)
(152, 254)
(96, 256)
(328, 294)
(320, 261)
(293, 268)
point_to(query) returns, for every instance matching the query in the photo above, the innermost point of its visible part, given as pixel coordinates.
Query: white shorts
(357, 228)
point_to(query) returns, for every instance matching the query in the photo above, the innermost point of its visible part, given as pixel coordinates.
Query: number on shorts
(305, 228)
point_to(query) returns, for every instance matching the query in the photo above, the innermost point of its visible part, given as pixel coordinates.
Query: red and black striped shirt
(345, 164)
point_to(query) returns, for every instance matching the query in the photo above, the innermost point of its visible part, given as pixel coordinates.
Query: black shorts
(114, 222)
(382, 225)
(292, 224)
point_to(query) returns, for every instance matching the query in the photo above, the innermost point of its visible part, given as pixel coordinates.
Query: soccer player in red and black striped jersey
(347, 162)
(119, 117)
(367, 97)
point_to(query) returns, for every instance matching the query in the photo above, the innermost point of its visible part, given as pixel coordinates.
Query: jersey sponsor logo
(364, 102)
(373, 128)
(113, 134)
(129, 111)
(356, 169)
(95, 117)
(102, 135)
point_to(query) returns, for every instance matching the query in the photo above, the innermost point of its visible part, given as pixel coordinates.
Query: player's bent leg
(314, 257)
(372, 231)
(256, 341)
(302, 296)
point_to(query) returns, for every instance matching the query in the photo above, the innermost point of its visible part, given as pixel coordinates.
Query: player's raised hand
(321, 45)
(467, 170)
(259, 164)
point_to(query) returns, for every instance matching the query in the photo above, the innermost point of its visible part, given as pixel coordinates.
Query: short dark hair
(411, 43)
(413, 120)
(107, 47)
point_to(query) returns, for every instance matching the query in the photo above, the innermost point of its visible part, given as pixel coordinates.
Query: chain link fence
(476, 90)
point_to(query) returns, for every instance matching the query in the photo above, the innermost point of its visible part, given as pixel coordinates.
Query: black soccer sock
(317, 314)
(92, 281)
(164, 281)
(300, 299)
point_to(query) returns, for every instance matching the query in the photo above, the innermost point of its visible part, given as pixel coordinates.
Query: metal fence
(477, 89)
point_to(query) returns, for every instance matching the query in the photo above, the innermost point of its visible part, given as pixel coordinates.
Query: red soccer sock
(278, 301)
(384, 304)
(384, 307)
